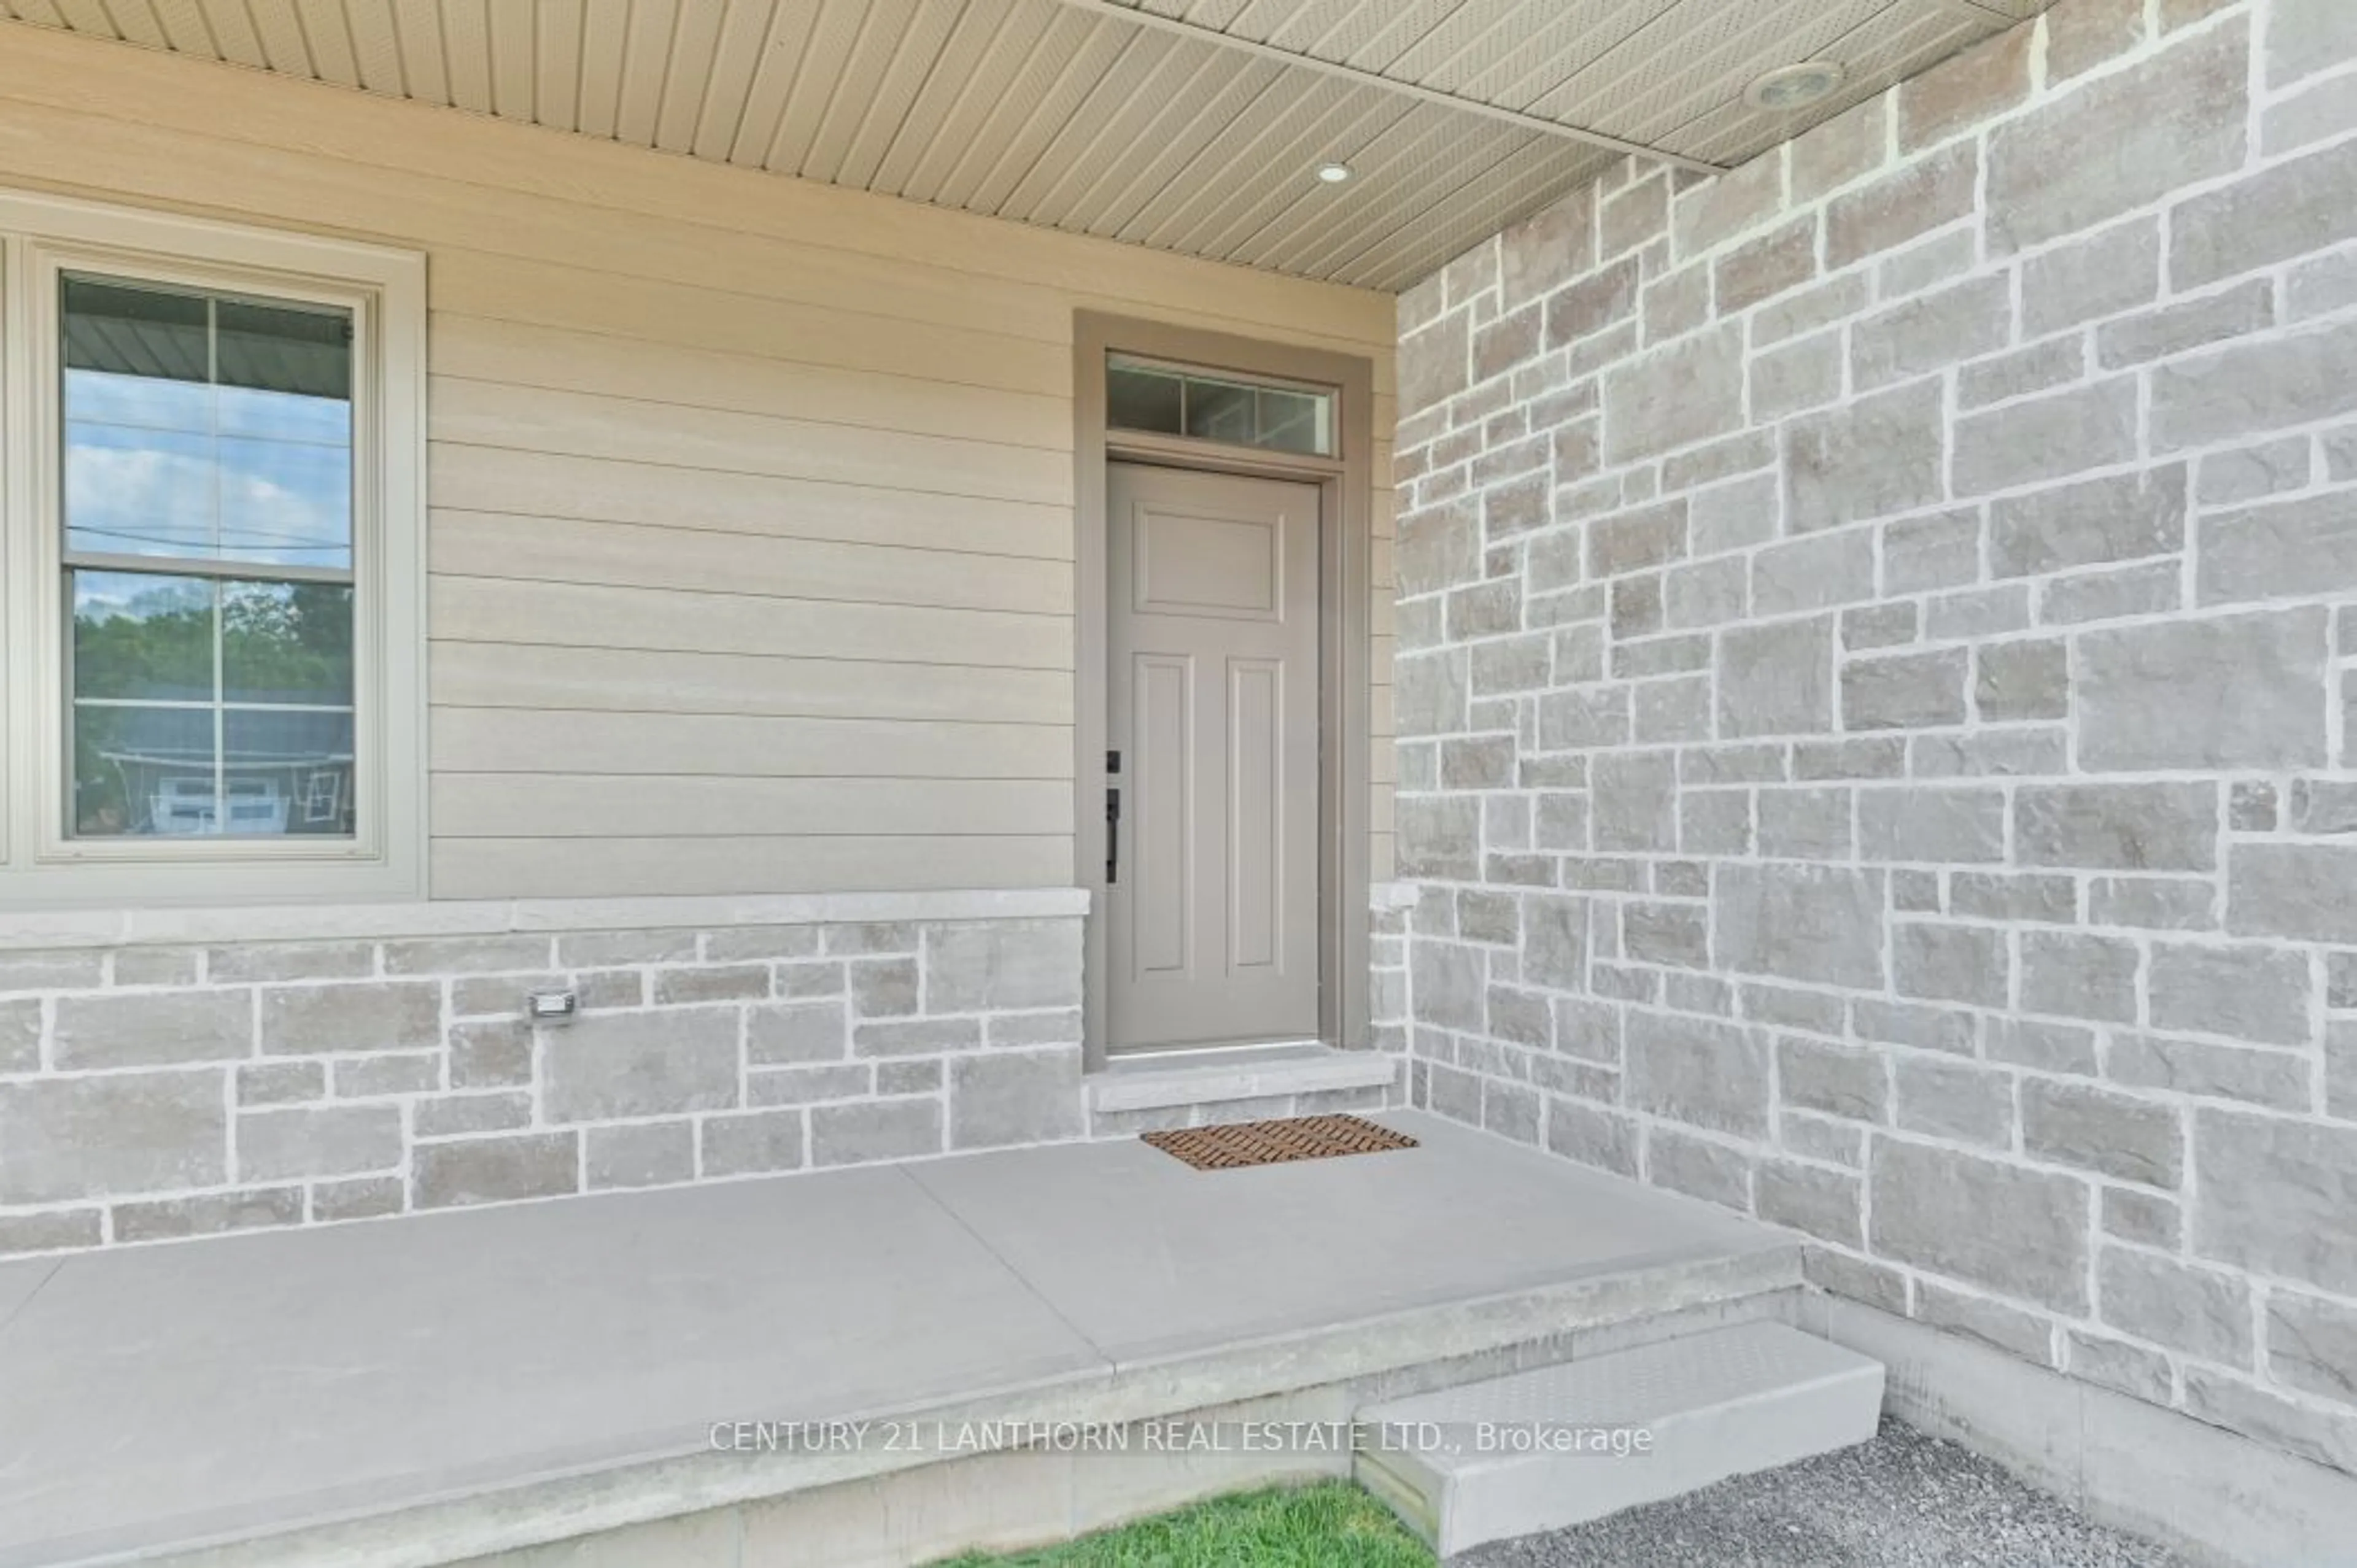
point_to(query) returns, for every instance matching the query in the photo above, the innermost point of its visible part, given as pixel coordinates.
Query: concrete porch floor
(515, 1374)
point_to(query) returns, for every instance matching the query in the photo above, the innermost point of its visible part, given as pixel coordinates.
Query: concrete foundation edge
(2214, 1496)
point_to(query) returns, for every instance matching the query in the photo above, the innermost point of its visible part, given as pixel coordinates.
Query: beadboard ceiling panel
(1190, 125)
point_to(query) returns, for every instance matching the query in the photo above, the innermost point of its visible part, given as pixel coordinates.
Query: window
(1168, 400)
(214, 621)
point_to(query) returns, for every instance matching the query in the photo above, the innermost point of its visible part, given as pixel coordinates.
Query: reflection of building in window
(172, 790)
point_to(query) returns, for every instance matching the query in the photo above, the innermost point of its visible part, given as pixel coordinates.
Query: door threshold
(1212, 1074)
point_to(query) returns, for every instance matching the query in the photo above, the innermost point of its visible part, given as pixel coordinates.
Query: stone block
(1435, 548)
(711, 983)
(1633, 541)
(344, 1019)
(1625, 219)
(469, 955)
(650, 1153)
(1697, 1071)
(1002, 965)
(2096, 1129)
(1673, 396)
(1801, 922)
(494, 1170)
(1866, 459)
(1845, 148)
(2253, 388)
(2161, 904)
(1835, 1080)
(2276, 1079)
(2201, 1312)
(1602, 299)
(1448, 984)
(2087, 34)
(2180, 328)
(318, 1140)
(1435, 362)
(1776, 679)
(915, 1036)
(1014, 1097)
(250, 962)
(56, 1231)
(2176, 117)
(2292, 890)
(1928, 334)
(1955, 1099)
(2104, 274)
(2041, 439)
(1429, 696)
(112, 1133)
(2018, 1232)
(1907, 691)
(2313, 1345)
(797, 1032)
(1724, 206)
(490, 1055)
(2079, 976)
(2036, 1043)
(2015, 681)
(1805, 824)
(1928, 194)
(2258, 993)
(1698, 1167)
(2119, 827)
(2242, 693)
(608, 1066)
(1544, 253)
(1950, 963)
(1813, 573)
(2123, 517)
(1554, 952)
(20, 1036)
(1634, 798)
(1591, 1135)
(1829, 1204)
(864, 1132)
(1782, 259)
(1927, 553)
(2287, 550)
(2307, 35)
(210, 1214)
(2287, 210)
(2145, 1218)
(761, 1142)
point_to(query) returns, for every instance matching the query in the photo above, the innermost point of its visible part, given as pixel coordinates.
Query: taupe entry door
(1212, 914)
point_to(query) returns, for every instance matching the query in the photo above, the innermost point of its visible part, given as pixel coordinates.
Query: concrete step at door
(1561, 1444)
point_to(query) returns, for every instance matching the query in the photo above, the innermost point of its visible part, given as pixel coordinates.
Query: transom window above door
(1157, 399)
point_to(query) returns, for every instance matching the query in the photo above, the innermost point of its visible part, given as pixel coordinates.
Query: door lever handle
(1113, 837)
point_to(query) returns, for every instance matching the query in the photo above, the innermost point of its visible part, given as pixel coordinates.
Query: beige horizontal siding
(751, 530)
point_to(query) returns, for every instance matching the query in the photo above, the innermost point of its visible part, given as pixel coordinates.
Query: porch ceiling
(1190, 125)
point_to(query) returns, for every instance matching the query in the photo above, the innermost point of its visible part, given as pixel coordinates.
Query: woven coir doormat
(1277, 1142)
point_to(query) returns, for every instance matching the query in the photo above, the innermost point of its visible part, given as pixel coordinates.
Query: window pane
(1141, 399)
(143, 770)
(288, 772)
(1141, 395)
(286, 643)
(206, 426)
(1217, 410)
(1292, 421)
(265, 666)
(142, 639)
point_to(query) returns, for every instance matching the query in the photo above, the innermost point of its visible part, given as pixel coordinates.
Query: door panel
(1212, 631)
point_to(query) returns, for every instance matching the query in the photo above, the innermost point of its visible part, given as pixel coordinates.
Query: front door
(1212, 626)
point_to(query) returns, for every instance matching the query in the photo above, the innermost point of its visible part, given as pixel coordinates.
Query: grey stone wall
(1878, 696)
(152, 1091)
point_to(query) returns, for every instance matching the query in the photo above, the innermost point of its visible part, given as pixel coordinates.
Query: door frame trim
(1346, 546)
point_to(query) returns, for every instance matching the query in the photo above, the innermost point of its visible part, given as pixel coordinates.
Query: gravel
(1904, 1500)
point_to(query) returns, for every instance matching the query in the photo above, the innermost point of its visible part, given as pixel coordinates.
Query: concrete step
(1563, 1444)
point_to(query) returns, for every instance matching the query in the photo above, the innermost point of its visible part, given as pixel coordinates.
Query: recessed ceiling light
(1333, 173)
(1796, 86)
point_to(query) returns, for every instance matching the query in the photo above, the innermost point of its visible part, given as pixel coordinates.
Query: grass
(1331, 1525)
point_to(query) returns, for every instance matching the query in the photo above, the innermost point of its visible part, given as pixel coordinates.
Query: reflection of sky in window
(156, 466)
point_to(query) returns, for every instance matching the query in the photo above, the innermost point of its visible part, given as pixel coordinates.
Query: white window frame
(41, 865)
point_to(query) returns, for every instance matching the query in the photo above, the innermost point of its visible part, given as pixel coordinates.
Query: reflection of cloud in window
(126, 496)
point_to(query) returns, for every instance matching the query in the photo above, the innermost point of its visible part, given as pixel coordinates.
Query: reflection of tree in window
(209, 547)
